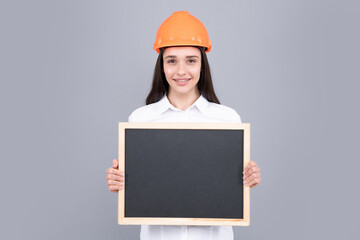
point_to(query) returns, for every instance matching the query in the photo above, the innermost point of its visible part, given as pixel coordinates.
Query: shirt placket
(186, 115)
(182, 116)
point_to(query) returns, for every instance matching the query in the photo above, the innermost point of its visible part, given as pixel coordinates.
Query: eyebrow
(172, 56)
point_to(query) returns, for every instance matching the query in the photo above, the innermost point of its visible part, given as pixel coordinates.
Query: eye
(192, 61)
(171, 61)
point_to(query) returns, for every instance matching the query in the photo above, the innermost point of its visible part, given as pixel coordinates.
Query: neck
(183, 101)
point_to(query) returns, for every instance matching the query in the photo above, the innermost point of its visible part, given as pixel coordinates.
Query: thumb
(115, 163)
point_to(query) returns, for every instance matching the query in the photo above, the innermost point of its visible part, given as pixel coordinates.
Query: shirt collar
(163, 104)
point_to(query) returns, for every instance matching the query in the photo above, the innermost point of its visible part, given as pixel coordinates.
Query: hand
(252, 175)
(114, 177)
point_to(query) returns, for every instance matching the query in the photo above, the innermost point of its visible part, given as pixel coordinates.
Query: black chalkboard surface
(184, 173)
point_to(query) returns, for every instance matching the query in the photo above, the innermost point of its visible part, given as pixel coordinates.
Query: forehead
(182, 51)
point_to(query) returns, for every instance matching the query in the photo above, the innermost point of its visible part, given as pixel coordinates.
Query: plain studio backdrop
(71, 70)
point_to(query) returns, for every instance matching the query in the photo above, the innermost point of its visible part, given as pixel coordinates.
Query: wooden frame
(183, 221)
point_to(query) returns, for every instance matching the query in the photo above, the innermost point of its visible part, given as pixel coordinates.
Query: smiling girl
(182, 91)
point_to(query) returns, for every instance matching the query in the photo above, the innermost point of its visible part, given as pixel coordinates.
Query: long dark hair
(160, 86)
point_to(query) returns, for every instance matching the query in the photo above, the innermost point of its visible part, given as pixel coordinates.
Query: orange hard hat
(182, 29)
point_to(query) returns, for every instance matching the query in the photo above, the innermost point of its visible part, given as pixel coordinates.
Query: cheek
(196, 72)
(167, 73)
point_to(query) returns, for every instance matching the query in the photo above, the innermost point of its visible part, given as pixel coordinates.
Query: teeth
(181, 80)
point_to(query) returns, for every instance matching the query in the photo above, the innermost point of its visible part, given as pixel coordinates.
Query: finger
(114, 188)
(114, 171)
(114, 177)
(252, 177)
(250, 165)
(253, 182)
(251, 171)
(115, 163)
(113, 182)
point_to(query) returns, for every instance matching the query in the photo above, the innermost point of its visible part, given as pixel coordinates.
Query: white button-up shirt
(200, 111)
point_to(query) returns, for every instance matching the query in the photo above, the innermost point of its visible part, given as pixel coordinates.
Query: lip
(182, 83)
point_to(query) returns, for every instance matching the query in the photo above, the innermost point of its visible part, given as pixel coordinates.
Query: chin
(181, 90)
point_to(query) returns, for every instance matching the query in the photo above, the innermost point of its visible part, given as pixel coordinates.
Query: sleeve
(130, 119)
(237, 117)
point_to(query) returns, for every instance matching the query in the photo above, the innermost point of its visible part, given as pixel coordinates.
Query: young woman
(182, 91)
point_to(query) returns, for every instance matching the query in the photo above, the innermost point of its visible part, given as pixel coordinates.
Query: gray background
(70, 70)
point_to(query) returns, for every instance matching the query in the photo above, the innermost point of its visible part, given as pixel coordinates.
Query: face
(182, 67)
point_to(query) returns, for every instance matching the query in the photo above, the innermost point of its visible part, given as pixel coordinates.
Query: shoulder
(223, 111)
(144, 113)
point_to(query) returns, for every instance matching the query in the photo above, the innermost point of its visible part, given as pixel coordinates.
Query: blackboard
(184, 173)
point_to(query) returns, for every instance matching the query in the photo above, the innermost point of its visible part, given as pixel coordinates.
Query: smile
(182, 81)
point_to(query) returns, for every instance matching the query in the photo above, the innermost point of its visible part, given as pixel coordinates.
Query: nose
(181, 69)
